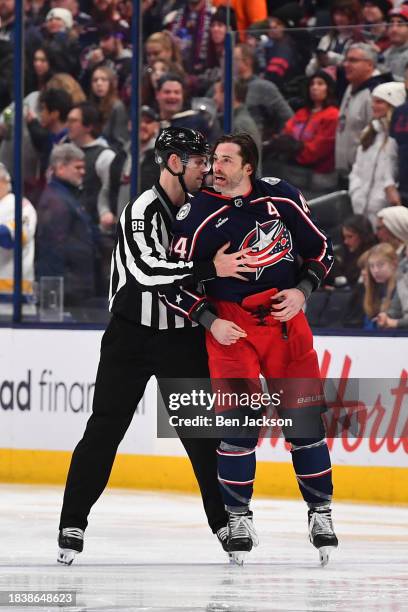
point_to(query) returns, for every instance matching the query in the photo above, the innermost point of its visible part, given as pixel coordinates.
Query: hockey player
(273, 337)
(144, 338)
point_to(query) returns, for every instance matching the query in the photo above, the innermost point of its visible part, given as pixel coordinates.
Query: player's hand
(287, 304)
(231, 264)
(226, 332)
(384, 321)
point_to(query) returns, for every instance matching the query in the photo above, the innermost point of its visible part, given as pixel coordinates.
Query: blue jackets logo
(270, 242)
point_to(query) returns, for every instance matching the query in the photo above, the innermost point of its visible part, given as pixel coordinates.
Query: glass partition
(293, 73)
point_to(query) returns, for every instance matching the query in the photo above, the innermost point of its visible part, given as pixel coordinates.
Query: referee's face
(195, 171)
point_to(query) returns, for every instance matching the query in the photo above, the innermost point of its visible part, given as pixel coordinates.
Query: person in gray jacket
(396, 56)
(355, 109)
(264, 101)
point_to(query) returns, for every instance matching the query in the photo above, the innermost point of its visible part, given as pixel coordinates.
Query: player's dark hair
(248, 149)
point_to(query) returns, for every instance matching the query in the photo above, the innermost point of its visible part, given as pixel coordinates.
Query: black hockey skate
(222, 535)
(241, 536)
(321, 533)
(70, 542)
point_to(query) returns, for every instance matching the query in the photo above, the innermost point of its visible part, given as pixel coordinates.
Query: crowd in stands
(320, 85)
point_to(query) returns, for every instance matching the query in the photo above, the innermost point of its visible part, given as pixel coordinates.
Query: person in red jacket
(308, 138)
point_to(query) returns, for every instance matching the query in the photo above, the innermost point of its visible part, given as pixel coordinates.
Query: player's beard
(231, 183)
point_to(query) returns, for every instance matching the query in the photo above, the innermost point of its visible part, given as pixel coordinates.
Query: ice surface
(153, 552)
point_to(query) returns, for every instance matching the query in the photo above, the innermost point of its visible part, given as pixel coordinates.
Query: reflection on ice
(153, 552)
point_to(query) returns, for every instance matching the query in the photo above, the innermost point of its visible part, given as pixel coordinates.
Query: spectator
(121, 167)
(218, 31)
(39, 71)
(65, 244)
(354, 316)
(392, 227)
(247, 13)
(106, 11)
(200, 83)
(65, 81)
(6, 51)
(380, 282)
(399, 131)
(104, 95)
(42, 73)
(170, 97)
(84, 129)
(33, 165)
(111, 52)
(191, 27)
(60, 41)
(35, 12)
(152, 15)
(241, 119)
(283, 59)
(162, 45)
(153, 74)
(264, 101)
(83, 26)
(396, 221)
(373, 179)
(308, 137)
(7, 225)
(355, 109)
(396, 56)
(330, 52)
(375, 29)
(358, 237)
(51, 128)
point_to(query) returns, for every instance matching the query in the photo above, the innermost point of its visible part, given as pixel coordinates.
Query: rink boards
(46, 388)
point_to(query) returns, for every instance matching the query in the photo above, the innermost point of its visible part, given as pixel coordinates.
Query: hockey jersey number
(180, 247)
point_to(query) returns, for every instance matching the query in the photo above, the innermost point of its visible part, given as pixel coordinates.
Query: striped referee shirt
(140, 270)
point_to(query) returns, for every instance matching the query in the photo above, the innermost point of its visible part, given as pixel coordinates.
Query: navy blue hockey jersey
(273, 219)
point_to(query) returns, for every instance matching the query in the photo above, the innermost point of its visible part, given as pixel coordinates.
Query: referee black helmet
(182, 141)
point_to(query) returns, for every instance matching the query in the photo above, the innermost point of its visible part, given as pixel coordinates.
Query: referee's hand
(226, 332)
(231, 264)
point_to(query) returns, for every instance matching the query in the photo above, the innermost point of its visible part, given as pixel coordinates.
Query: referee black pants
(130, 355)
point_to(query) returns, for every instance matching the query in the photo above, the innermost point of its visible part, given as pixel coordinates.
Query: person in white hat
(395, 222)
(59, 20)
(373, 179)
(61, 41)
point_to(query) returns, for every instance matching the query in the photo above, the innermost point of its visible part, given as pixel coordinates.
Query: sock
(312, 465)
(236, 473)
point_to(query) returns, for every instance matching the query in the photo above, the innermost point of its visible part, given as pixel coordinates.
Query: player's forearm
(203, 271)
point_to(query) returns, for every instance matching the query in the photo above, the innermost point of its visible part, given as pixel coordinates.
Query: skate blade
(237, 557)
(66, 556)
(324, 554)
